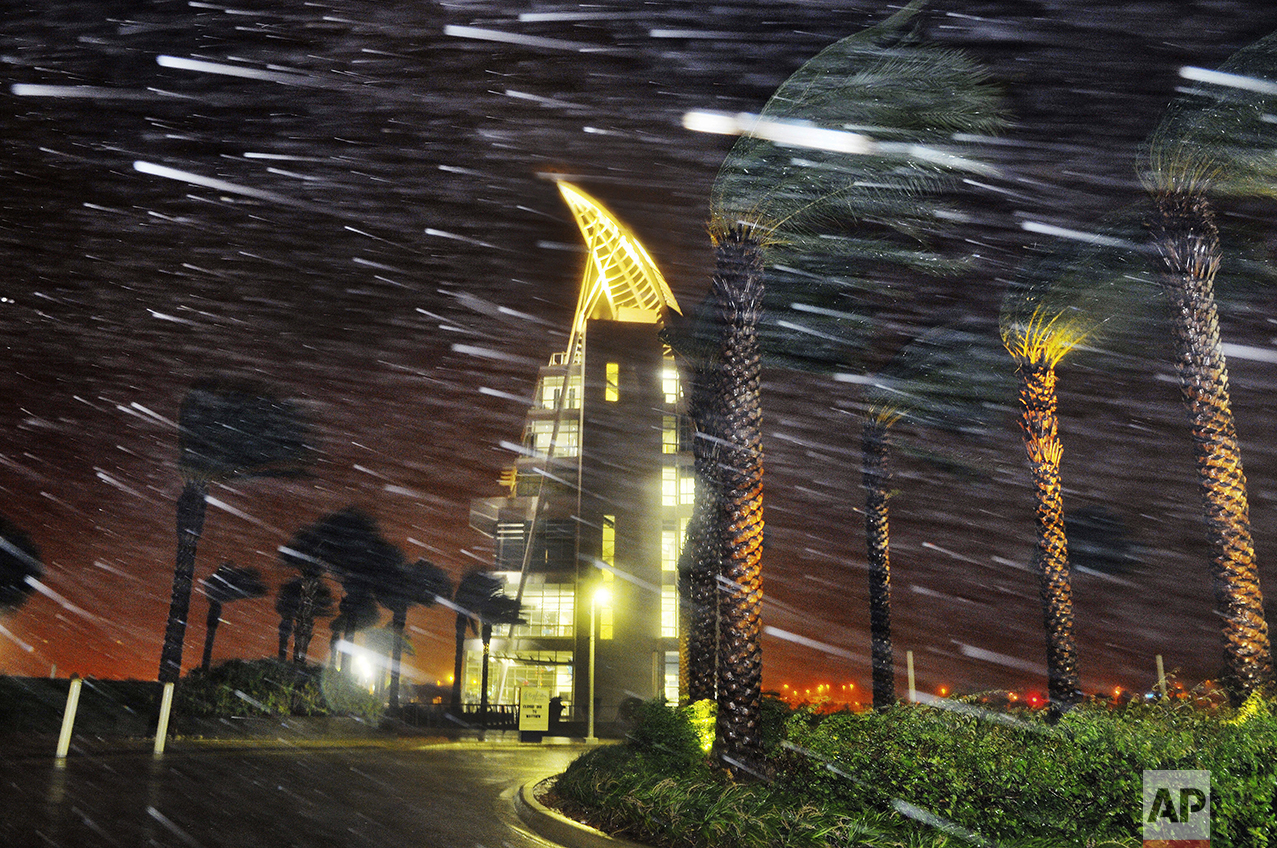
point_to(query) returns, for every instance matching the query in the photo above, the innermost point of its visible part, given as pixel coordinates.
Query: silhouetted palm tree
(481, 604)
(19, 560)
(802, 167)
(420, 583)
(497, 609)
(1057, 304)
(289, 605)
(226, 428)
(356, 611)
(1217, 140)
(227, 584)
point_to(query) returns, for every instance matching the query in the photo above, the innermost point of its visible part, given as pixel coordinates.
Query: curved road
(454, 795)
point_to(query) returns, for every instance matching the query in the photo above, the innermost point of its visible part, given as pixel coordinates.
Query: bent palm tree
(1217, 140)
(803, 168)
(947, 379)
(298, 605)
(472, 593)
(226, 428)
(19, 565)
(1059, 303)
(497, 609)
(227, 584)
(421, 583)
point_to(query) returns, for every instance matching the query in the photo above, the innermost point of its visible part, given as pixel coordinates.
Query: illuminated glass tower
(598, 497)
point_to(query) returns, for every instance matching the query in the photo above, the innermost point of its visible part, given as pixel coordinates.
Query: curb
(558, 828)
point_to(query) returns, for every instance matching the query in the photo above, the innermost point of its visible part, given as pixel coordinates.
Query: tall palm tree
(356, 611)
(226, 428)
(804, 171)
(228, 583)
(300, 601)
(946, 379)
(497, 609)
(420, 583)
(472, 593)
(1057, 304)
(19, 564)
(1217, 140)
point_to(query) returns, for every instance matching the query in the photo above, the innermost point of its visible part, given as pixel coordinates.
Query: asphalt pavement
(387, 794)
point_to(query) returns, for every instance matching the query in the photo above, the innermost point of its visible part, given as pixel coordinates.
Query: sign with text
(534, 709)
(1176, 809)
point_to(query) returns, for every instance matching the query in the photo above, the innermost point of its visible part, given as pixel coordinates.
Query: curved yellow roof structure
(621, 281)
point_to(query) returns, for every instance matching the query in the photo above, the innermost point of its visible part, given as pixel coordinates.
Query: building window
(686, 485)
(671, 546)
(669, 382)
(670, 677)
(669, 486)
(669, 611)
(669, 434)
(607, 553)
(548, 609)
(537, 437)
(612, 391)
(552, 388)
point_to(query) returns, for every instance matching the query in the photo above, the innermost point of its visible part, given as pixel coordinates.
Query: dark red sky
(419, 219)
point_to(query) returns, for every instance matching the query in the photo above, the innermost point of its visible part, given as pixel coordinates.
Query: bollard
(68, 716)
(161, 729)
(913, 692)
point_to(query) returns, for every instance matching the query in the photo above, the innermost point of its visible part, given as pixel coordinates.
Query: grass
(956, 774)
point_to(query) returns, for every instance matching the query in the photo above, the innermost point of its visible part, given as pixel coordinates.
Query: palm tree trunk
(398, 620)
(210, 631)
(190, 524)
(877, 478)
(1183, 230)
(455, 707)
(1040, 424)
(305, 618)
(285, 632)
(486, 634)
(738, 287)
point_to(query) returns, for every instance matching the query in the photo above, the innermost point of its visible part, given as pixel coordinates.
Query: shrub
(271, 688)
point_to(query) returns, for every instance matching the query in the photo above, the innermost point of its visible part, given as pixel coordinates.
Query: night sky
(376, 234)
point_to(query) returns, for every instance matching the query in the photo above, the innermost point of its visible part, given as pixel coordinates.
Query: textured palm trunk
(486, 636)
(210, 631)
(285, 633)
(305, 618)
(738, 287)
(455, 707)
(1183, 230)
(876, 479)
(190, 524)
(398, 620)
(1040, 424)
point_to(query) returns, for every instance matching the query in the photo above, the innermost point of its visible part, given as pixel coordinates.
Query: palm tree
(804, 166)
(420, 583)
(19, 565)
(1217, 140)
(227, 584)
(1056, 305)
(945, 379)
(356, 611)
(301, 601)
(496, 609)
(226, 428)
(475, 587)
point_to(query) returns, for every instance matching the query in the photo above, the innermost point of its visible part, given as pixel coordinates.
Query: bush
(271, 688)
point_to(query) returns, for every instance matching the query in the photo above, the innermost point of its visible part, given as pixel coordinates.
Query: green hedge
(926, 775)
(272, 688)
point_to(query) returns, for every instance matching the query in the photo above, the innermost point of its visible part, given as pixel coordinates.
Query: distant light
(602, 596)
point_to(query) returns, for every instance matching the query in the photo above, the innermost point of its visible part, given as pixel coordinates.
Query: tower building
(598, 498)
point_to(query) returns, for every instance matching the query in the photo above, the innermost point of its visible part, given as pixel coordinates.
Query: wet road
(452, 795)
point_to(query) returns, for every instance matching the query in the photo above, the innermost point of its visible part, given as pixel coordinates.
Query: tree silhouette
(289, 605)
(227, 584)
(1217, 140)
(19, 560)
(356, 611)
(419, 583)
(1058, 303)
(472, 593)
(796, 173)
(226, 428)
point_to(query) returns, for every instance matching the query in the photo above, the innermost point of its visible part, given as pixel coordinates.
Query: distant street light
(601, 596)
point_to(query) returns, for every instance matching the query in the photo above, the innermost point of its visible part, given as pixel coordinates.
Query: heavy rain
(356, 204)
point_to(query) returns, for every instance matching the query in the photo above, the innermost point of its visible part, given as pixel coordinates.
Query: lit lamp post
(601, 596)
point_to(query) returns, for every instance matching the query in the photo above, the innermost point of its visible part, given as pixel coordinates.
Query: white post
(913, 691)
(161, 729)
(68, 716)
(589, 707)
(1161, 677)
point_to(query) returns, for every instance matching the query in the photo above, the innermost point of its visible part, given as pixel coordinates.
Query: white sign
(1177, 807)
(534, 709)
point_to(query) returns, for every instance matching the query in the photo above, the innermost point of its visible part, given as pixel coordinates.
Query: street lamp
(600, 596)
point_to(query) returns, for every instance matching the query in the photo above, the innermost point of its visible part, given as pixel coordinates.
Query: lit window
(669, 611)
(612, 391)
(607, 551)
(538, 435)
(669, 382)
(669, 434)
(687, 486)
(669, 486)
(552, 388)
(670, 546)
(605, 621)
